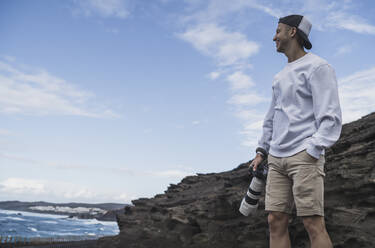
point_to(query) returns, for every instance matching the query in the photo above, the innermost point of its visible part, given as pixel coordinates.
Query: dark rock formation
(202, 211)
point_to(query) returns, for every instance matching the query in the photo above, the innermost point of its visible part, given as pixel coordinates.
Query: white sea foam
(95, 221)
(53, 216)
(49, 222)
(15, 218)
(77, 210)
(47, 225)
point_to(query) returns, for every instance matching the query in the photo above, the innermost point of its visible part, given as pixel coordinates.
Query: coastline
(100, 212)
(40, 228)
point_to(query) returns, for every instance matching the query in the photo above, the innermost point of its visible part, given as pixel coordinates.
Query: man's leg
(278, 226)
(279, 202)
(316, 229)
(308, 191)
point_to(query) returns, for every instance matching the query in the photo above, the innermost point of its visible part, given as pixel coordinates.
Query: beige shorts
(296, 180)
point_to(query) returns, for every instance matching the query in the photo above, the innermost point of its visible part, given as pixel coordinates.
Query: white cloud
(249, 99)
(252, 128)
(248, 115)
(196, 123)
(345, 49)
(22, 186)
(251, 138)
(227, 48)
(214, 75)
(272, 11)
(207, 11)
(31, 189)
(103, 8)
(239, 80)
(342, 20)
(40, 93)
(357, 93)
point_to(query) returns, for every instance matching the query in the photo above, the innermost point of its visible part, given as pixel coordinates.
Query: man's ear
(293, 31)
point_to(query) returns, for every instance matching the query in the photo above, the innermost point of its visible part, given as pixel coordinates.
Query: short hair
(300, 40)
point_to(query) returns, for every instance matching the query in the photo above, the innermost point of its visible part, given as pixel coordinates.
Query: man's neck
(295, 54)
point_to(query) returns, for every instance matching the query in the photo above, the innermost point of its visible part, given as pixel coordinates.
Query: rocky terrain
(202, 211)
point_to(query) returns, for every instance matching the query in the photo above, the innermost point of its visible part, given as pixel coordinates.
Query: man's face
(282, 37)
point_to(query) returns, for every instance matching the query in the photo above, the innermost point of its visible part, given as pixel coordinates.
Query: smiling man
(304, 118)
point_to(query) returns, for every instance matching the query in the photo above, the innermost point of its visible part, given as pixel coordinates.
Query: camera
(249, 203)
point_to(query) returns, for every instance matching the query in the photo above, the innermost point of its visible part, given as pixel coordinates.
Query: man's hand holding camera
(256, 161)
(261, 155)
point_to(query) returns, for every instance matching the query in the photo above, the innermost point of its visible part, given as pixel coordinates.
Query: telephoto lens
(249, 203)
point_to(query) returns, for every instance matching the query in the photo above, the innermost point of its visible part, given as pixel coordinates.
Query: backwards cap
(303, 27)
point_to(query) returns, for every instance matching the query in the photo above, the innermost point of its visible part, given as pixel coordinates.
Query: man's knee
(314, 225)
(278, 222)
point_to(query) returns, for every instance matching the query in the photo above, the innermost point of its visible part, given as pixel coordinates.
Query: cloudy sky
(112, 100)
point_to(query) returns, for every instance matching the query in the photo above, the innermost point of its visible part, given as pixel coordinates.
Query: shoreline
(50, 215)
(100, 212)
(34, 230)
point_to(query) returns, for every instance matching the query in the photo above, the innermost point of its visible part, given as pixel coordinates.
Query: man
(304, 118)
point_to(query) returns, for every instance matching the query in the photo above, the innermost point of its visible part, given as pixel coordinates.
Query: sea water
(33, 225)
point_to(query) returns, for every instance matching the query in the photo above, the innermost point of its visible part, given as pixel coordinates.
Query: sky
(113, 100)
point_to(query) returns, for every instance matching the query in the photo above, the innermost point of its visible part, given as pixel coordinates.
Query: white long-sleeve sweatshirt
(305, 110)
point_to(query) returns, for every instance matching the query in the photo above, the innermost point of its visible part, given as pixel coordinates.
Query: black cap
(303, 27)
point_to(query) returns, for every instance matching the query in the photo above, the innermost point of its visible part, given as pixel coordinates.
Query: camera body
(249, 203)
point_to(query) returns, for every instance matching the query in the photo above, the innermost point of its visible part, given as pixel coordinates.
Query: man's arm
(264, 142)
(326, 108)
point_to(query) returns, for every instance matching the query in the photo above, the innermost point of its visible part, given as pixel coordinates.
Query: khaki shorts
(296, 180)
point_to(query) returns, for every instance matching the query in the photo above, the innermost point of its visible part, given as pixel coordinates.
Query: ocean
(35, 225)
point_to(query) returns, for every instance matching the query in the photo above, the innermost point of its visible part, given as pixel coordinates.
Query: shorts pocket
(308, 157)
(308, 187)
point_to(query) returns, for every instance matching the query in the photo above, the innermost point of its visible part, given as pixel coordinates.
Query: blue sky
(114, 100)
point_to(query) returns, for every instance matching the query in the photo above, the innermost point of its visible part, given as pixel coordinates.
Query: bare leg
(315, 226)
(278, 226)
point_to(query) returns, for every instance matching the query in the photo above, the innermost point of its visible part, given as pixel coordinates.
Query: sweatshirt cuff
(314, 151)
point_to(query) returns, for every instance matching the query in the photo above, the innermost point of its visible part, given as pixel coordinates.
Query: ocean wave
(17, 223)
(15, 218)
(91, 234)
(95, 222)
(49, 222)
(53, 216)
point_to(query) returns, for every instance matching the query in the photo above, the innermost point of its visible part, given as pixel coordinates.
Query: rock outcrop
(202, 211)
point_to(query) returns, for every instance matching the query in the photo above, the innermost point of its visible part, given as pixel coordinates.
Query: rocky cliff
(202, 211)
